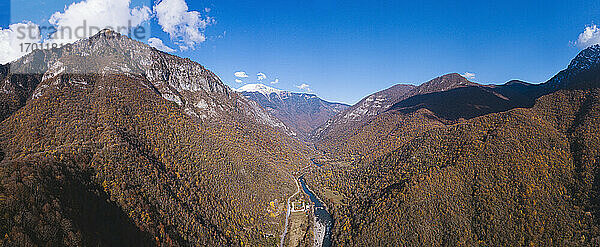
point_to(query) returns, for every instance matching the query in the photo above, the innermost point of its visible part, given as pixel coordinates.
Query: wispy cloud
(304, 87)
(469, 75)
(275, 81)
(590, 36)
(241, 74)
(238, 81)
(158, 44)
(261, 76)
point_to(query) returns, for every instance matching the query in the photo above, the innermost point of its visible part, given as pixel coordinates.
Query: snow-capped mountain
(302, 112)
(260, 88)
(586, 59)
(581, 71)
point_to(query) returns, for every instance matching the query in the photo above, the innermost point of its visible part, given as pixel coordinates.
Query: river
(323, 220)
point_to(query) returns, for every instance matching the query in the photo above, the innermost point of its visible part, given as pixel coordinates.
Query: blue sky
(346, 50)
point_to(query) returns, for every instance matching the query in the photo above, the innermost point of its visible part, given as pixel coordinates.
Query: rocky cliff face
(182, 81)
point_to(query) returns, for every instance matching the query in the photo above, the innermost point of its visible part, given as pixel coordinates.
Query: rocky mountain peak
(107, 33)
(576, 75)
(198, 91)
(369, 106)
(586, 59)
(443, 83)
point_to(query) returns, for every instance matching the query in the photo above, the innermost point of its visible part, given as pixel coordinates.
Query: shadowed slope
(526, 176)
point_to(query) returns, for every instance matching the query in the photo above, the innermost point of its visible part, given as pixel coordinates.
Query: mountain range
(109, 142)
(372, 127)
(459, 163)
(301, 112)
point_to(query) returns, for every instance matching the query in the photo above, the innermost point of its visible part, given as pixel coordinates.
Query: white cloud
(589, 37)
(261, 76)
(158, 44)
(185, 27)
(12, 38)
(97, 15)
(275, 81)
(304, 87)
(468, 75)
(87, 17)
(241, 74)
(238, 81)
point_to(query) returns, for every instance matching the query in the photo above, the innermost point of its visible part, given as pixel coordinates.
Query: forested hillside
(111, 142)
(526, 176)
(366, 133)
(108, 142)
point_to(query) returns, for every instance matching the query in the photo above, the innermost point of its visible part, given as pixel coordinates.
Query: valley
(109, 141)
(512, 167)
(176, 123)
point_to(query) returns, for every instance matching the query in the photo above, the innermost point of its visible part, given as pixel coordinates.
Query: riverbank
(323, 222)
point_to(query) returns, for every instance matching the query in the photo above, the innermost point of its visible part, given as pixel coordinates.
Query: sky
(344, 50)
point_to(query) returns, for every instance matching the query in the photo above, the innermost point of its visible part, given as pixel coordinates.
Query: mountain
(527, 175)
(471, 100)
(108, 141)
(302, 112)
(382, 101)
(371, 105)
(443, 83)
(344, 136)
(582, 70)
(368, 130)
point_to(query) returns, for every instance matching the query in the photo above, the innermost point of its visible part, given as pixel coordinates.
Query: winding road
(287, 215)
